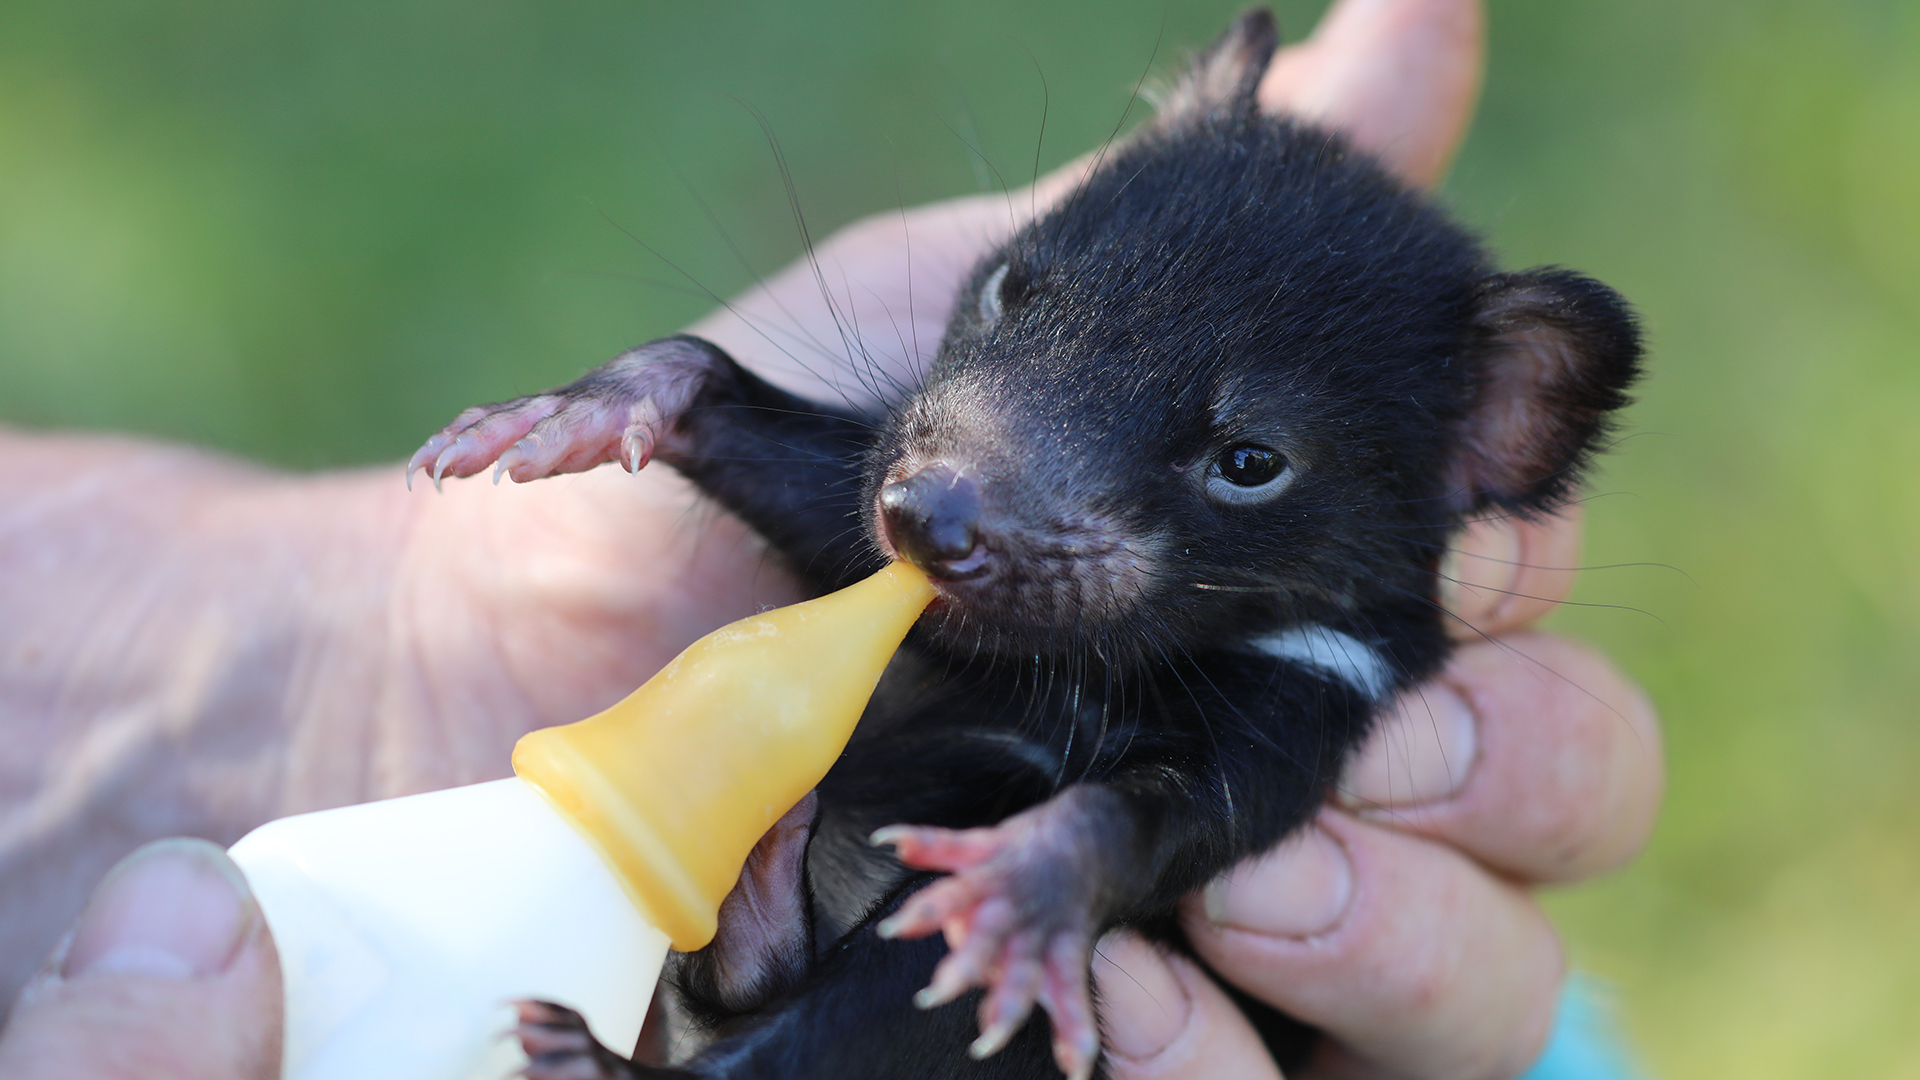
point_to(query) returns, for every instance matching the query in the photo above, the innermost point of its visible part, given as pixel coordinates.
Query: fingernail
(1422, 752)
(1301, 889)
(174, 909)
(1147, 1004)
(1482, 566)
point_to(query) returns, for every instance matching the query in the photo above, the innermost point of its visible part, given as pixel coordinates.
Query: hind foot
(621, 411)
(764, 944)
(559, 1046)
(1020, 912)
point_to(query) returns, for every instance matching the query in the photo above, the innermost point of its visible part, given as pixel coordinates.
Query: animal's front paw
(1020, 913)
(620, 411)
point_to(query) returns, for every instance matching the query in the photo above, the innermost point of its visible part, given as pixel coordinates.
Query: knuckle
(1574, 766)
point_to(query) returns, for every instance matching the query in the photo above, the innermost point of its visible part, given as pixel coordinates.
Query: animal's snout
(932, 519)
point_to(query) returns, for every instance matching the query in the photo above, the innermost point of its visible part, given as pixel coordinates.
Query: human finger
(1162, 1018)
(1503, 573)
(170, 974)
(1411, 959)
(1533, 754)
(1398, 77)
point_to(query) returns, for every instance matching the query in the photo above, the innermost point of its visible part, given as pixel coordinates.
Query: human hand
(432, 632)
(536, 604)
(205, 645)
(1401, 924)
(169, 975)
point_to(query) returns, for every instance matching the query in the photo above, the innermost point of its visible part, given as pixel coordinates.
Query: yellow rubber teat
(676, 783)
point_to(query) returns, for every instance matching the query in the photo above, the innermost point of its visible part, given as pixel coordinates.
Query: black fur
(1224, 280)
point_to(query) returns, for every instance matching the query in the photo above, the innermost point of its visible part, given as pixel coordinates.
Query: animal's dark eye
(1004, 288)
(991, 299)
(1251, 466)
(1248, 474)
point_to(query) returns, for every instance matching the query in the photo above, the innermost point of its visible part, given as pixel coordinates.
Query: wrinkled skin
(1180, 474)
(153, 682)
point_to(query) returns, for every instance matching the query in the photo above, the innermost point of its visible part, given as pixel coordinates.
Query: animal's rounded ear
(1555, 353)
(1221, 81)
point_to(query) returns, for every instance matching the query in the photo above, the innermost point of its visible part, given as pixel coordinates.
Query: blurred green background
(308, 232)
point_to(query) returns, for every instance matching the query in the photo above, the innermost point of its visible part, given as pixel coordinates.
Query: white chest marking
(1332, 653)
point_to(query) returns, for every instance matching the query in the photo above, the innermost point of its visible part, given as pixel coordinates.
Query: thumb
(170, 974)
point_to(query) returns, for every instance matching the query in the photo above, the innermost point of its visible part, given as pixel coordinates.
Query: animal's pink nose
(932, 519)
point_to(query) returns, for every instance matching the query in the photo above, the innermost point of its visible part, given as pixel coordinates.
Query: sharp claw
(504, 466)
(441, 463)
(1076, 1059)
(639, 451)
(890, 834)
(992, 1040)
(420, 458)
(929, 998)
(896, 924)
(949, 982)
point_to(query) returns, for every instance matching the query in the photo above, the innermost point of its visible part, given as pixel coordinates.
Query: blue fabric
(1584, 1044)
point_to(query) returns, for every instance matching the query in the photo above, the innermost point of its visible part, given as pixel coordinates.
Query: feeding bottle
(407, 927)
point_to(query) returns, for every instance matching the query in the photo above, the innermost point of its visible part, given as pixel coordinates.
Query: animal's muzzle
(932, 519)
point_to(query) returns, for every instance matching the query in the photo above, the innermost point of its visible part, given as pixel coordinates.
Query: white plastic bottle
(406, 928)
